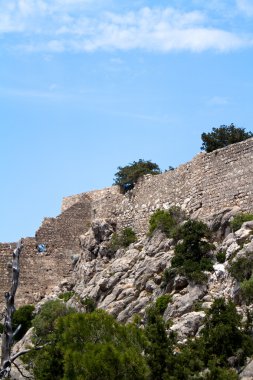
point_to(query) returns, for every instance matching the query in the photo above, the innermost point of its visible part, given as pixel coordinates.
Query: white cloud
(58, 27)
(218, 101)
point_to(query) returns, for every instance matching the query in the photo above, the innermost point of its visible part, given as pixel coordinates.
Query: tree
(22, 317)
(127, 176)
(223, 336)
(10, 331)
(223, 136)
(91, 346)
(159, 350)
(192, 252)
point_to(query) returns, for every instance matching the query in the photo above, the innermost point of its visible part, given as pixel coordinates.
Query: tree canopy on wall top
(127, 176)
(223, 136)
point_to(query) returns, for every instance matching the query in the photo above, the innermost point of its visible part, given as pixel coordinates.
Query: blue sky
(87, 86)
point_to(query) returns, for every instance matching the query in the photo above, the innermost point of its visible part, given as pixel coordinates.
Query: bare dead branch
(21, 373)
(7, 336)
(20, 353)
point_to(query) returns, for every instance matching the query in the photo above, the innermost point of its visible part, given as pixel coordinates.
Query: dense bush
(192, 253)
(92, 346)
(166, 221)
(122, 239)
(223, 136)
(162, 303)
(221, 257)
(127, 176)
(90, 304)
(66, 295)
(168, 275)
(22, 317)
(44, 322)
(223, 335)
(246, 288)
(159, 350)
(221, 338)
(242, 268)
(239, 219)
(1, 328)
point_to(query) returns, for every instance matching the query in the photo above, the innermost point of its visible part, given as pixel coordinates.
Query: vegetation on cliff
(122, 239)
(127, 176)
(94, 346)
(192, 253)
(166, 221)
(223, 136)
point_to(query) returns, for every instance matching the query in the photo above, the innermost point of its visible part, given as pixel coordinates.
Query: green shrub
(166, 221)
(159, 348)
(222, 333)
(197, 305)
(90, 304)
(92, 346)
(242, 268)
(44, 322)
(122, 239)
(1, 328)
(23, 317)
(247, 290)
(239, 219)
(192, 253)
(223, 136)
(127, 176)
(168, 275)
(221, 257)
(162, 303)
(66, 295)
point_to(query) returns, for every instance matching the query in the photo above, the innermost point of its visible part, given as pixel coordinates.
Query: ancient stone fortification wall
(203, 186)
(91, 195)
(39, 273)
(64, 230)
(207, 184)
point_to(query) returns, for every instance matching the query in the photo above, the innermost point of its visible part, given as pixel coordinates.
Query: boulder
(247, 373)
(219, 222)
(188, 325)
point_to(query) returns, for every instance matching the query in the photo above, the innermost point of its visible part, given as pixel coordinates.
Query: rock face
(126, 282)
(212, 183)
(247, 373)
(212, 187)
(123, 283)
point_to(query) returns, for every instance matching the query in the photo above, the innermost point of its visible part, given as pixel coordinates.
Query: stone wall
(39, 273)
(64, 230)
(91, 195)
(6, 250)
(203, 186)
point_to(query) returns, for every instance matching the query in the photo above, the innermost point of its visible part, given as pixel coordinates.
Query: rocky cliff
(213, 187)
(204, 186)
(125, 283)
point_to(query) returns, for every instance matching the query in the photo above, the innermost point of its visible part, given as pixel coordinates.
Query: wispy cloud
(218, 101)
(61, 26)
(31, 94)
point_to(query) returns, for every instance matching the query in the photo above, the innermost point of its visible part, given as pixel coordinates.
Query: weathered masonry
(203, 186)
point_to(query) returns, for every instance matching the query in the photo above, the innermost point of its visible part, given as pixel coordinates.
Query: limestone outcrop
(217, 183)
(125, 283)
(79, 257)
